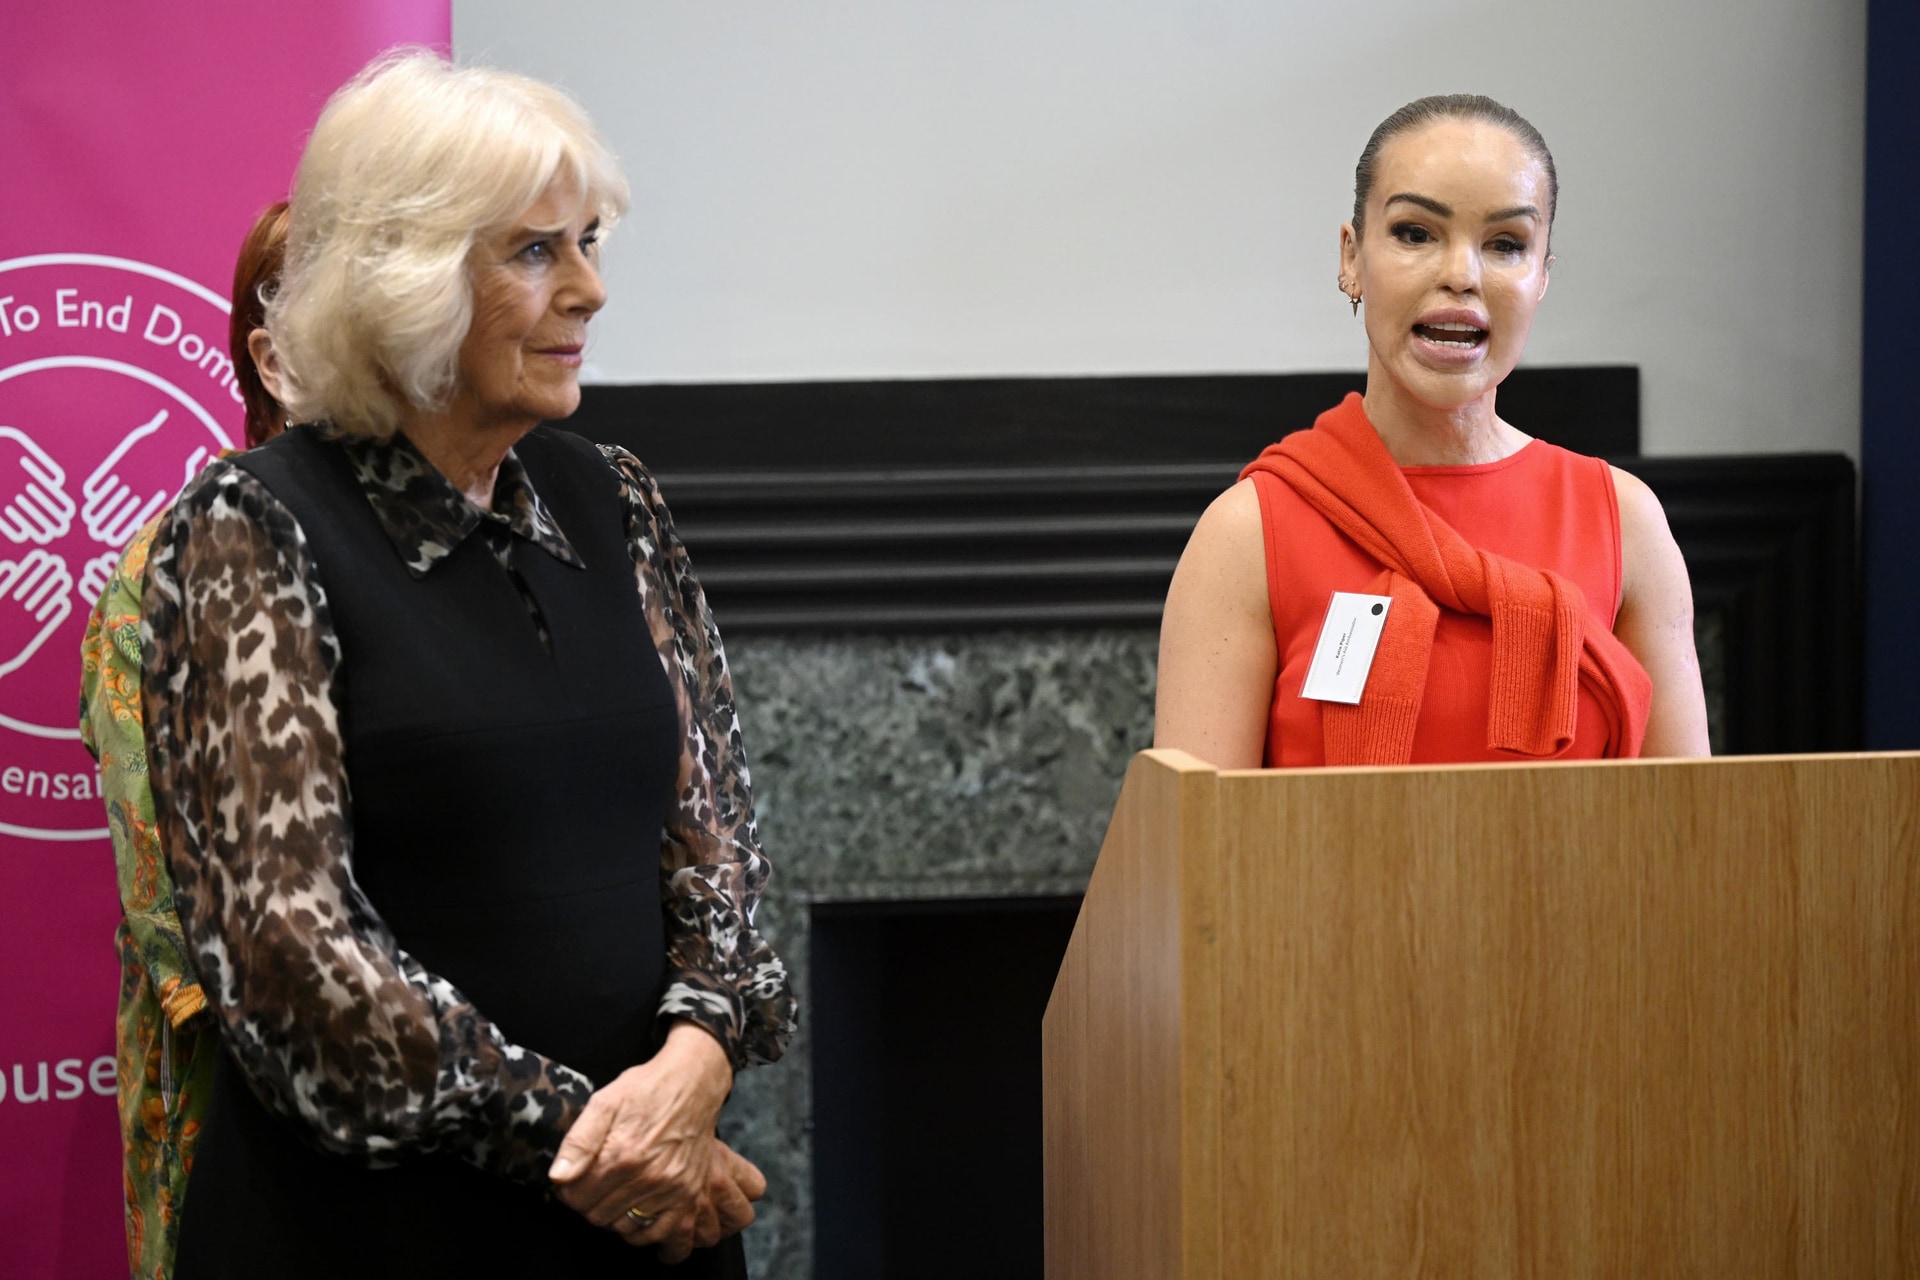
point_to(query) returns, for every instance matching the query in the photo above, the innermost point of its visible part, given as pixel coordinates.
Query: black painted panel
(1048, 421)
(1771, 545)
(1066, 502)
(1769, 540)
(1890, 375)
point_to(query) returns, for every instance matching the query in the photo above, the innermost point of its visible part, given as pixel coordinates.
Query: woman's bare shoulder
(1648, 554)
(1656, 621)
(1226, 556)
(1639, 506)
(1239, 503)
(1231, 524)
(1216, 638)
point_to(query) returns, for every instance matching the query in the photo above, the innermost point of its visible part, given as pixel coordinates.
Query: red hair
(258, 270)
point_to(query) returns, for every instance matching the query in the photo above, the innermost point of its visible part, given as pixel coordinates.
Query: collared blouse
(334, 1024)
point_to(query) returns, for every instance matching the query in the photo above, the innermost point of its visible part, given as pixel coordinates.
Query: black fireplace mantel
(998, 503)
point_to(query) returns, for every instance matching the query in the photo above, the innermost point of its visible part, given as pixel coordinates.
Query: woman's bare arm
(1656, 622)
(1216, 639)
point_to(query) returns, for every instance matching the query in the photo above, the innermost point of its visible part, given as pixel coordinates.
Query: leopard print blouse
(333, 1023)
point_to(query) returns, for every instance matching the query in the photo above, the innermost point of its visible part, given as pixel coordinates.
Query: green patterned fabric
(164, 1042)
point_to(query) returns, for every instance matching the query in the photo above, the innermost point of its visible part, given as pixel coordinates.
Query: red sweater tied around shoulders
(1546, 643)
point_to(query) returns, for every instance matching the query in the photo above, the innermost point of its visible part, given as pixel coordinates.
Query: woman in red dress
(1535, 605)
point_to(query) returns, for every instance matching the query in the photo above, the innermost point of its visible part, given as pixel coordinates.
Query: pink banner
(137, 143)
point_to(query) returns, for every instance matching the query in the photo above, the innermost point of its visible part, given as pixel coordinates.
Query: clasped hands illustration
(38, 587)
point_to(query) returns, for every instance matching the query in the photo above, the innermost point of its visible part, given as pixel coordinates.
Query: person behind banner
(444, 752)
(164, 1051)
(1521, 602)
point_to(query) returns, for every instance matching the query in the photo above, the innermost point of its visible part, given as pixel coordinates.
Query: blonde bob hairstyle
(412, 162)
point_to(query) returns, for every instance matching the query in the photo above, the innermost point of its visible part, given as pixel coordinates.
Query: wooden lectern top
(1629, 1018)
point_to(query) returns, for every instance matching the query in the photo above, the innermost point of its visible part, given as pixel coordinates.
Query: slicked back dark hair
(1449, 106)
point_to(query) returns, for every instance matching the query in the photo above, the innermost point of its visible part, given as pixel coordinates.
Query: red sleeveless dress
(1544, 506)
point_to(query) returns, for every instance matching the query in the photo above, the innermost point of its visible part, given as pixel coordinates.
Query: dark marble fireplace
(926, 1085)
(950, 786)
(941, 603)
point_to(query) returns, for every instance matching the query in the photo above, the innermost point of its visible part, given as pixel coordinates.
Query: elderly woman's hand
(645, 1142)
(733, 1184)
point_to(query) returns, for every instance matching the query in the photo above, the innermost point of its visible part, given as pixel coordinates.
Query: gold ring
(642, 1220)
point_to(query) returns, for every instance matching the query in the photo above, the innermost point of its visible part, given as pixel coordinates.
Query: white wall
(908, 188)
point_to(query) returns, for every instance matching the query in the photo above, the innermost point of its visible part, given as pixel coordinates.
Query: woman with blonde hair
(445, 755)
(1527, 603)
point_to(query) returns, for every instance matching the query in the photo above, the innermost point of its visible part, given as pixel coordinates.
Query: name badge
(1344, 655)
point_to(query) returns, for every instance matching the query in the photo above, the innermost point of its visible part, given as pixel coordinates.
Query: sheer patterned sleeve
(332, 1023)
(721, 973)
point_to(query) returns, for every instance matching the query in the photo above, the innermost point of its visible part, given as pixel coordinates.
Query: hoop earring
(1354, 298)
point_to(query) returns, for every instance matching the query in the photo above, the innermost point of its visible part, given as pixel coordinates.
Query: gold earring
(1355, 300)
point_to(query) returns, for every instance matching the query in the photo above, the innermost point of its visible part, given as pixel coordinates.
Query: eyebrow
(1446, 210)
(525, 234)
(1425, 202)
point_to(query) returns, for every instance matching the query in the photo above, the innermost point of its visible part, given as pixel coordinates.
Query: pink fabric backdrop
(137, 144)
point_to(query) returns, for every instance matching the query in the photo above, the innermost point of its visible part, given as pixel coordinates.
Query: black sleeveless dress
(507, 800)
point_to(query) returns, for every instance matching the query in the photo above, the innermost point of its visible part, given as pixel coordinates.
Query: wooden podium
(1631, 1019)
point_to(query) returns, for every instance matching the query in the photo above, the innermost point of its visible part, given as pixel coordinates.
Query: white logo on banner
(114, 387)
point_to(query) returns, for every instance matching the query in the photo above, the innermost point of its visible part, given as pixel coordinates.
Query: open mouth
(1462, 337)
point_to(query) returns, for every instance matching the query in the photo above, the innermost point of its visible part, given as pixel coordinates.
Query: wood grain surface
(1653, 1019)
(1131, 1179)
